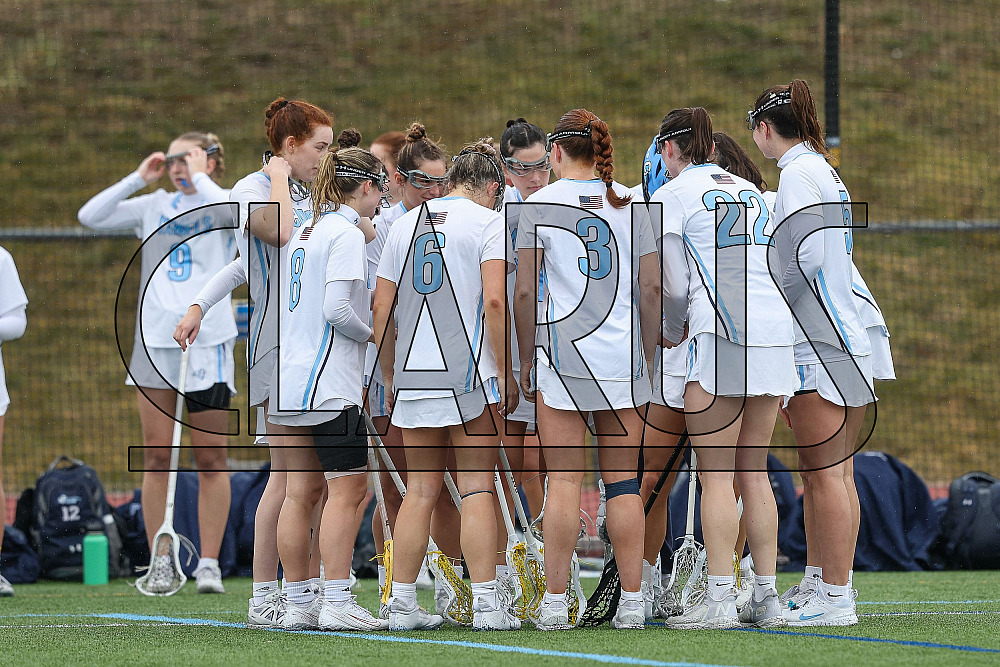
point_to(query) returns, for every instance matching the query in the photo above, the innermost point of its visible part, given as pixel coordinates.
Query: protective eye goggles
(661, 139)
(553, 137)
(773, 100)
(381, 180)
(422, 180)
(519, 168)
(173, 158)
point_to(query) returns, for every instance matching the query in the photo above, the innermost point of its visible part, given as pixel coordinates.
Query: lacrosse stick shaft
(522, 517)
(456, 497)
(678, 448)
(175, 444)
(504, 510)
(379, 496)
(692, 485)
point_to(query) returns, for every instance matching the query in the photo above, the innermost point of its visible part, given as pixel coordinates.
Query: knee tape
(623, 488)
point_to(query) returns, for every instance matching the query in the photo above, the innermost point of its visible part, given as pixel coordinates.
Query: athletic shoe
(708, 615)
(442, 598)
(766, 613)
(486, 617)
(506, 590)
(630, 615)
(302, 616)
(267, 614)
(209, 578)
(744, 591)
(553, 616)
(6, 590)
(349, 615)
(383, 611)
(818, 611)
(417, 618)
(795, 596)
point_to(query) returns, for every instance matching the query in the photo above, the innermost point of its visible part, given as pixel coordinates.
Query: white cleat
(349, 616)
(708, 615)
(766, 613)
(209, 579)
(629, 616)
(417, 618)
(818, 611)
(302, 616)
(648, 594)
(553, 616)
(486, 617)
(267, 614)
(424, 581)
(6, 590)
(744, 591)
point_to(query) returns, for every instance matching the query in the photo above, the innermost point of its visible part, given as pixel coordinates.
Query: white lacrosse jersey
(871, 314)
(260, 259)
(12, 297)
(383, 223)
(572, 260)
(824, 257)
(316, 364)
(174, 266)
(467, 235)
(741, 304)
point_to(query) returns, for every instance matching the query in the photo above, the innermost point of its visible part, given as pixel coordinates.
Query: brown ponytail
(796, 118)
(596, 148)
(694, 144)
(730, 156)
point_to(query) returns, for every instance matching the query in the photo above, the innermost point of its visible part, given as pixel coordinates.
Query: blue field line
(889, 614)
(499, 648)
(867, 602)
(874, 640)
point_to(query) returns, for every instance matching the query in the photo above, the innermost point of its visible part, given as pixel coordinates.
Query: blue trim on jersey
(575, 180)
(710, 289)
(260, 323)
(833, 311)
(470, 374)
(312, 374)
(176, 200)
(218, 349)
(802, 377)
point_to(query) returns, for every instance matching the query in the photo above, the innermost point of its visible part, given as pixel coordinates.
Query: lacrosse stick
(164, 576)
(687, 555)
(529, 567)
(694, 590)
(603, 602)
(514, 556)
(459, 609)
(386, 592)
(449, 483)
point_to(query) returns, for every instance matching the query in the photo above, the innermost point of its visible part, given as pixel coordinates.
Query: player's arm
(368, 227)
(649, 304)
(676, 282)
(273, 224)
(12, 324)
(345, 266)
(385, 332)
(494, 274)
(111, 208)
(529, 262)
(214, 291)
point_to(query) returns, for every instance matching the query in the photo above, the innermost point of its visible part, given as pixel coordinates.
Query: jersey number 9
(180, 262)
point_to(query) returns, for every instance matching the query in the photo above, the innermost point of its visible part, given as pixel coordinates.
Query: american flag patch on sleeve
(591, 201)
(723, 178)
(438, 218)
(306, 233)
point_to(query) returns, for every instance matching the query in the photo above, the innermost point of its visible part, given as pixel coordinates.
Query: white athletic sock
(299, 592)
(405, 593)
(502, 571)
(317, 582)
(630, 596)
(835, 594)
(263, 589)
(485, 592)
(720, 587)
(850, 578)
(337, 591)
(549, 598)
(284, 582)
(381, 576)
(811, 577)
(762, 585)
(206, 562)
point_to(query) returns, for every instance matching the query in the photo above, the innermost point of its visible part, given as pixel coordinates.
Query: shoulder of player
(252, 185)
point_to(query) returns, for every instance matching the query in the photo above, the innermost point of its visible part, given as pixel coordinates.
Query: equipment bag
(69, 502)
(18, 561)
(970, 527)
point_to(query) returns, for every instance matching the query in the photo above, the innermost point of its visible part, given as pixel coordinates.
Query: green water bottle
(95, 558)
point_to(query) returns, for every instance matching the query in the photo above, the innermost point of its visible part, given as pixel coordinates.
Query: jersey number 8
(295, 290)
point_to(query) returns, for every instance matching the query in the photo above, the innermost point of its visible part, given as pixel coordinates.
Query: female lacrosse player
(178, 257)
(527, 169)
(324, 318)
(739, 356)
(461, 239)
(299, 133)
(599, 366)
(814, 239)
(419, 174)
(664, 420)
(12, 324)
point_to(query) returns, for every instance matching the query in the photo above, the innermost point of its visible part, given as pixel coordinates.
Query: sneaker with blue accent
(766, 613)
(817, 610)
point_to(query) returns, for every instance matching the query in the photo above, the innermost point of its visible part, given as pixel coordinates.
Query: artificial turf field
(907, 618)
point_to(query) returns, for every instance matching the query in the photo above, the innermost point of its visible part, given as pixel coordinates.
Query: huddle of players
(442, 264)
